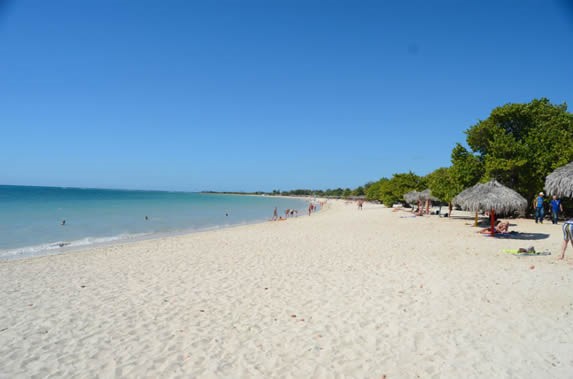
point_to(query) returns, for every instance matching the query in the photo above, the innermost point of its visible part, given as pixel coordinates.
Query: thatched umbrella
(427, 195)
(412, 197)
(491, 196)
(465, 195)
(560, 181)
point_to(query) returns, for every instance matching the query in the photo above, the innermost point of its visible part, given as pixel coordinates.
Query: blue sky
(262, 95)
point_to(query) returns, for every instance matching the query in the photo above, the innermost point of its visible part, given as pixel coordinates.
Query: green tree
(520, 144)
(337, 192)
(467, 169)
(443, 185)
(359, 191)
(373, 190)
(367, 185)
(392, 191)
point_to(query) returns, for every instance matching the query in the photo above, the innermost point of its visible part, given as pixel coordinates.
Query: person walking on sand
(555, 208)
(538, 206)
(567, 236)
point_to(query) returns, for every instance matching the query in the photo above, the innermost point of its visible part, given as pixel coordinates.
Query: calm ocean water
(31, 217)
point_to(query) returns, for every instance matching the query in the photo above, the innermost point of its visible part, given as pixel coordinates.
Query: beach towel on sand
(525, 252)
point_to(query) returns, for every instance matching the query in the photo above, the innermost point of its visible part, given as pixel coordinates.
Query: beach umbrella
(491, 196)
(427, 195)
(412, 197)
(560, 181)
(465, 195)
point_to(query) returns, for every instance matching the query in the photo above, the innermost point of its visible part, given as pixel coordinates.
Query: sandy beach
(343, 293)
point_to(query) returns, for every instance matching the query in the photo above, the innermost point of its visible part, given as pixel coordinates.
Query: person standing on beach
(567, 236)
(538, 206)
(555, 208)
(275, 214)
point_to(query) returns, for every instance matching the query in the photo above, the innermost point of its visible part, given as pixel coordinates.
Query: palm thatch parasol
(465, 195)
(412, 197)
(491, 196)
(427, 195)
(560, 181)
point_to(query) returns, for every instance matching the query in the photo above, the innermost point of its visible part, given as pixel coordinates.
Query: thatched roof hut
(412, 197)
(427, 195)
(490, 196)
(463, 196)
(560, 181)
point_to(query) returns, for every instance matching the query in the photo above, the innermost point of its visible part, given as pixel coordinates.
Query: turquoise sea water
(31, 217)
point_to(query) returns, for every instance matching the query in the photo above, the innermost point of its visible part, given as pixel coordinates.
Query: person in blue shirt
(555, 208)
(538, 205)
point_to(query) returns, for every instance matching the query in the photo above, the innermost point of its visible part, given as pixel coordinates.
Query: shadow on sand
(522, 236)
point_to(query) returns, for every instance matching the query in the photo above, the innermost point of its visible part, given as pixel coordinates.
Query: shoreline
(342, 292)
(90, 241)
(120, 241)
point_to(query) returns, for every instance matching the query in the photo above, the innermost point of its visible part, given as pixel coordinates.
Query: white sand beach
(343, 293)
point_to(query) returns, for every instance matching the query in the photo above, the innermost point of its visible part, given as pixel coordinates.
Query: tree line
(334, 193)
(518, 145)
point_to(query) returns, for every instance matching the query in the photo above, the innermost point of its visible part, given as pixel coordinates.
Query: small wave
(61, 246)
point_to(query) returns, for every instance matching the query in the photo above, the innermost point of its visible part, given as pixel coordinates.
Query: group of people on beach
(315, 206)
(312, 207)
(539, 207)
(288, 213)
